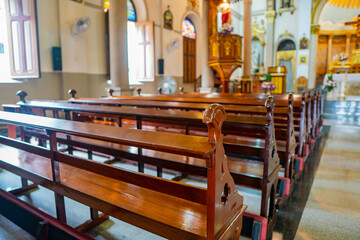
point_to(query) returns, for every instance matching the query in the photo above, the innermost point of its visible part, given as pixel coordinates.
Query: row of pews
(228, 141)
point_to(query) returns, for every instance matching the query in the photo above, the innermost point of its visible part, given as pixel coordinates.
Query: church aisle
(333, 207)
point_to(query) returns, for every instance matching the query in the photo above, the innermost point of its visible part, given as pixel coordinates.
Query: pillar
(207, 76)
(347, 48)
(118, 47)
(262, 70)
(270, 20)
(329, 54)
(313, 52)
(246, 78)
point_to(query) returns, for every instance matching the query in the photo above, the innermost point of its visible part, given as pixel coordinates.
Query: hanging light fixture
(106, 5)
(345, 3)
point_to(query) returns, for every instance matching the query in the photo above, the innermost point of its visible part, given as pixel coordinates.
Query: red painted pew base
(284, 186)
(299, 164)
(254, 226)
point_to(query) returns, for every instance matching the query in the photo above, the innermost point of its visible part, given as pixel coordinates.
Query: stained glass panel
(131, 14)
(188, 29)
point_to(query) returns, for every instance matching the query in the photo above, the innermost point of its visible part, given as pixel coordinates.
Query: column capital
(248, 1)
(315, 29)
(331, 36)
(270, 16)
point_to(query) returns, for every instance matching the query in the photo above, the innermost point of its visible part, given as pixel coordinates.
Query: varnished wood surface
(189, 117)
(149, 204)
(167, 142)
(168, 104)
(238, 98)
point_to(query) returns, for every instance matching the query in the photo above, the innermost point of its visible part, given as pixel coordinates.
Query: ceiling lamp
(345, 3)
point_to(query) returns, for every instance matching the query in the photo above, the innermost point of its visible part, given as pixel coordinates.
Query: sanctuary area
(180, 119)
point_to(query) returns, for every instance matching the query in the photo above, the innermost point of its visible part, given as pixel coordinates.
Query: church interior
(180, 119)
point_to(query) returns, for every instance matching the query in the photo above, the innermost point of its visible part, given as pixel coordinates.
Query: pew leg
(60, 207)
(25, 186)
(70, 148)
(90, 154)
(96, 219)
(42, 142)
(159, 171)
(42, 230)
(140, 164)
(179, 177)
(141, 167)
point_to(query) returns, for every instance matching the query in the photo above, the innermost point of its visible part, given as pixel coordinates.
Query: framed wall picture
(168, 19)
(79, 1)
(304, 43)
(94, 3)
(303, 60)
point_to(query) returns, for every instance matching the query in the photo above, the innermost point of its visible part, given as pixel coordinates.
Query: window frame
(145, 43)
(35, 55)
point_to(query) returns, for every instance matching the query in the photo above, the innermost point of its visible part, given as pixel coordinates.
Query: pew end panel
(220, 182)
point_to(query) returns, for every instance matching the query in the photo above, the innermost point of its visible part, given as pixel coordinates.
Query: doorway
(189, 48)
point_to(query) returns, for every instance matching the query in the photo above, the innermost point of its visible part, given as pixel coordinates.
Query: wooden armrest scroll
(270, 105)
(21, 94)
(214, 117)
(72, 92)
(110, 92)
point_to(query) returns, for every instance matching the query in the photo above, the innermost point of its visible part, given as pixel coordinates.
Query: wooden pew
(230, 100)
(181, 211)
(245, 173)
(245, 106)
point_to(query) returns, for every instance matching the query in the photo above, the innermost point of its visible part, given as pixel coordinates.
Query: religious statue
(225, 13)
(286, 4)
(226, 26)
(255, 58)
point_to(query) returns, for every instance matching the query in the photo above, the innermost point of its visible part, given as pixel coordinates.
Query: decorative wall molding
(270, 16)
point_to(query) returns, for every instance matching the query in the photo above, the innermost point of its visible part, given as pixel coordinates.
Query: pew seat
(119, 196)
(237, 166)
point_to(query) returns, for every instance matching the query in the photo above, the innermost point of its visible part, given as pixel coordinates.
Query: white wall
(84, 53)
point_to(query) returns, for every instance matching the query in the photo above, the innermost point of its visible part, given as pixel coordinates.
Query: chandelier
(345, 3)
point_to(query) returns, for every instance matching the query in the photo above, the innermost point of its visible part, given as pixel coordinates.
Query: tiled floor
(333, 207)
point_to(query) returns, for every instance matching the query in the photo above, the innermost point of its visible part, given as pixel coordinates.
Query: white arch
(196, 20)
(141, 10)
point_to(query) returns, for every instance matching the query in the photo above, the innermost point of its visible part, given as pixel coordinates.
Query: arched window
(131, 13)
(188, 29)
(140, 42)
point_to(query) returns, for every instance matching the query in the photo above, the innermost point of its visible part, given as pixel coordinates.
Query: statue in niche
(255, 57)
(168, 19)
(285, 3)
(225, 10)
